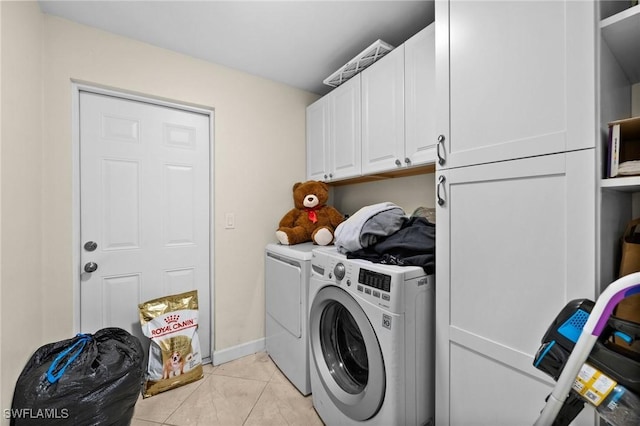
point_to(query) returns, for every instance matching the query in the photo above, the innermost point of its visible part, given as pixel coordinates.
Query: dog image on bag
(171, 323)
(173, 366)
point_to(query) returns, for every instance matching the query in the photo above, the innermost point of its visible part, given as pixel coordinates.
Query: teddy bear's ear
(296, 185)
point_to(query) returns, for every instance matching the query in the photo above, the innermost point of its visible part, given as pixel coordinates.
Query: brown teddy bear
(310, 219)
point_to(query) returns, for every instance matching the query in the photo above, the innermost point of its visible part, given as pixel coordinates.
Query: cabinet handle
(440, 143)
(441, 200)
(398, 162)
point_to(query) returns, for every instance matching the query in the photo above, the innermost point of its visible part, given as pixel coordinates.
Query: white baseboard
(235, 352)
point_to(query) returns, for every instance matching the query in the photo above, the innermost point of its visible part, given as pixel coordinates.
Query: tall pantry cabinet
(516, 192)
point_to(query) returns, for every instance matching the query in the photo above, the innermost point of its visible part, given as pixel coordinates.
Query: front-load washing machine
(371, 336)
(287, 270)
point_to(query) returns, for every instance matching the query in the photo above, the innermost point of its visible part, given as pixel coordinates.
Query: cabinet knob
(398, 162)
(407, 160)
(330, 175)
(325, 176)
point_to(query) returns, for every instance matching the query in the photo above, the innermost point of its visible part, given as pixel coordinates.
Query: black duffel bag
(91, 379)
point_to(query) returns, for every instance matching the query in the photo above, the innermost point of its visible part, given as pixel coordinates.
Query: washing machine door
(346, 353)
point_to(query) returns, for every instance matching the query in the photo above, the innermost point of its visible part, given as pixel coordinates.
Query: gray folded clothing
(368, 225)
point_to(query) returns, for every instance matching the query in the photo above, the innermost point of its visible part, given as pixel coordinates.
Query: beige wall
(21, 278)
(259, 152)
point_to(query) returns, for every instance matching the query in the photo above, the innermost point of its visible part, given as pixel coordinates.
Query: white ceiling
(299, 43)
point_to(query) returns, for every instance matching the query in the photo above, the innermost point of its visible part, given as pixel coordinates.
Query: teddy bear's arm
(335, 216)
(289, 219)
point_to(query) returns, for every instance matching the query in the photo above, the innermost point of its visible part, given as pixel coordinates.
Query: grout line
(256, 403)
(164, 421)
(201, 381)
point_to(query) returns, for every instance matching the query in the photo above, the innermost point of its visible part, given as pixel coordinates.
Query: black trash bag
(87, 380)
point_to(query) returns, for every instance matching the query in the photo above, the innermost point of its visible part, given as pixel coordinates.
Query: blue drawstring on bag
(53, 375)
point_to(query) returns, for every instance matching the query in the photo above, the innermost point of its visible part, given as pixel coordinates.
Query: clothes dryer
(287, 270)
(371, 334)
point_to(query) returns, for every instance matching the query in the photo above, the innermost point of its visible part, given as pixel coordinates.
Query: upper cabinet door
(383, 113)
(345, 125)
(318, 140)
(514, 79)
(419, 93)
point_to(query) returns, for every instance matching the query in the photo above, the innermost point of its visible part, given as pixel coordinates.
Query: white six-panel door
(144, 201)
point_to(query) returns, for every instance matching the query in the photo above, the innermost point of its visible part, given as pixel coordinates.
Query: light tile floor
(248, 391)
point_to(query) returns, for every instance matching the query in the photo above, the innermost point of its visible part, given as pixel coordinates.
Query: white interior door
(144, 202)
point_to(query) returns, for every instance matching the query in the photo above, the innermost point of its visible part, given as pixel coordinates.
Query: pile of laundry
(383, 233)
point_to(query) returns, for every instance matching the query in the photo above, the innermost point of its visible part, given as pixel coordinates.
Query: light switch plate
(230, 221)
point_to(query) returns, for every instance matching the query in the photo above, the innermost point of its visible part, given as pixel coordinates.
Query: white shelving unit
(624, 184)
(619, 71)
(621, 33)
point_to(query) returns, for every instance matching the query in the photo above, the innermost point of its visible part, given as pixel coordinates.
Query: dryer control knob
(339, 271)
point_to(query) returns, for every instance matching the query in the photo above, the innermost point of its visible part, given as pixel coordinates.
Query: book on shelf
(623, 157)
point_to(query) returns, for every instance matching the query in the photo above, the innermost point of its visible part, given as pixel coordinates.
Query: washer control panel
(381, 285)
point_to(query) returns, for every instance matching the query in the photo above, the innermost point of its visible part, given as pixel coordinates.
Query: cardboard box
(629, 308)
(624, 147)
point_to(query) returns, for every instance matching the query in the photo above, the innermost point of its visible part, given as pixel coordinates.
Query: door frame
(76, 88)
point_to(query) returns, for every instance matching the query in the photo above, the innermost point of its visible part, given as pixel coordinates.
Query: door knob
(90, 267)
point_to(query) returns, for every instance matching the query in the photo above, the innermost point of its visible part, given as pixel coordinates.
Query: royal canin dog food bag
(171, 322)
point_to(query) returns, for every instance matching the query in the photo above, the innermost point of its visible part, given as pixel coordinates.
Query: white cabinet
(419, 97)
(318, 140)
(383, 113)
(515, 243)
(516, 240)
(398, 107)
(382, 120)
(333, 134)
(516, 74)
(345, 135)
